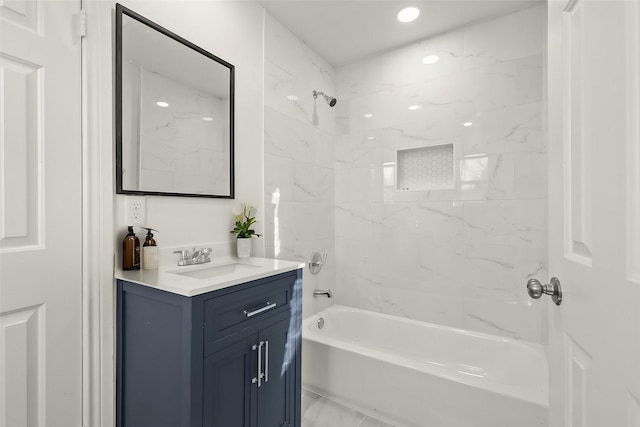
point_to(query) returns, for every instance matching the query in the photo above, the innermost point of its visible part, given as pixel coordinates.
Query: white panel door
(594, 212)
(40, 215)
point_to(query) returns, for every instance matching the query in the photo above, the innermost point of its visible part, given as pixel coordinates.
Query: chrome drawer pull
(269, 306)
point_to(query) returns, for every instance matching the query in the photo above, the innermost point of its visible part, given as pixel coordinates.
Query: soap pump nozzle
(149, 251)
(149, 239)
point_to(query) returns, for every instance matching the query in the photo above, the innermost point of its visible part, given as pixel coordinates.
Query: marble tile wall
(180, 151)
(456, 256)
(298, 158)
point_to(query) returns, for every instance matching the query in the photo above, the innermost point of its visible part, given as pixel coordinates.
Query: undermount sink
(218, 270)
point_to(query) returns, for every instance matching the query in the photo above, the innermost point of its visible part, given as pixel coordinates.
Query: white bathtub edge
(539, 398)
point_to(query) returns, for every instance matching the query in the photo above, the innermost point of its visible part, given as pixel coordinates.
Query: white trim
(98, 205)
(633, 142)
(86, 251)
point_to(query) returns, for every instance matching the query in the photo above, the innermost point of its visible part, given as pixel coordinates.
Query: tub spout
(322, 293)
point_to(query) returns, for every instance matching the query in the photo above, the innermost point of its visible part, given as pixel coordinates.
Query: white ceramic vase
(244, 247)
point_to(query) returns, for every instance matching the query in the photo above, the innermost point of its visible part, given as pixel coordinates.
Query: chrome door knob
(535, 289)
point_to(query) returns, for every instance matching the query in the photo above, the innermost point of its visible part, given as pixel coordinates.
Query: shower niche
(425, 168)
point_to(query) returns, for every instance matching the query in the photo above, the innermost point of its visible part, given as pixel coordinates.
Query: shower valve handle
(535, 289)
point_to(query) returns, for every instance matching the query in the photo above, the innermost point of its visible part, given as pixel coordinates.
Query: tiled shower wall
(298, 158)
(456, 256)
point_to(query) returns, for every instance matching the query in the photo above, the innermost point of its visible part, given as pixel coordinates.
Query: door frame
(98, 263)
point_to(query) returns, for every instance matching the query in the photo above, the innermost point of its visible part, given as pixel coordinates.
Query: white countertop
(224, 272)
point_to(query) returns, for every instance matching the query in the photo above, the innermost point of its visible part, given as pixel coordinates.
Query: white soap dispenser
(150, 251)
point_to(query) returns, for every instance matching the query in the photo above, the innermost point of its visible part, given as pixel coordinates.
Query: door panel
(22, 339)
(22, 168)
(579, 362)
(577, 138)
(24, 13)
(228, 388)
(594, 336)
(274, 395)
(40, 215)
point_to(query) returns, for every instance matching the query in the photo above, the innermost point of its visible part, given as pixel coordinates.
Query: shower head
(330, 99)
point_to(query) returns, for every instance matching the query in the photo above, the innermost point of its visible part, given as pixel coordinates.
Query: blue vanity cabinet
(228, 389)
(275, 404)
(227, 358)
(233, 396)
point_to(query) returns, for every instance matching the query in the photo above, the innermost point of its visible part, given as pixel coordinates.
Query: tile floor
(318, 411)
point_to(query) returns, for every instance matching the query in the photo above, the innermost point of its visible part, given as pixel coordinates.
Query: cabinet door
(228, 389)
(275, 406)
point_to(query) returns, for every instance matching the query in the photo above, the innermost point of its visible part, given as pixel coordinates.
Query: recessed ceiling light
(408, 14)
(414, 107)
(162, 104)
(430, 59)
(467, 124)
(370, 137)
(292, 97)
(368, 116)
(207, 119)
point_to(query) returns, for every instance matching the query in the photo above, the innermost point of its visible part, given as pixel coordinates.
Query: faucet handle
(183, 254)
(206, 254)
(316, 262)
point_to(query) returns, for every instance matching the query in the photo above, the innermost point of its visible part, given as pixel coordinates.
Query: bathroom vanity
(214, 345)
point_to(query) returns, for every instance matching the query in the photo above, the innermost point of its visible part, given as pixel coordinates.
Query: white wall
(299, 175)
(458, 256)
(233, 31)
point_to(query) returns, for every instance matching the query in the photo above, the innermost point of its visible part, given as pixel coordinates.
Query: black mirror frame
(120, 10)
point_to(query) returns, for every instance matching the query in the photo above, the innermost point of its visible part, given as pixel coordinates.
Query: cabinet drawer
(247, 308)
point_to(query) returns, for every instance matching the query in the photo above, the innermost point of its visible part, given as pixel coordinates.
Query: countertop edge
(190, 287)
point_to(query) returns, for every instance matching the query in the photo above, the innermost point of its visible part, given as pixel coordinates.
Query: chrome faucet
(322, 293)
(196, 256)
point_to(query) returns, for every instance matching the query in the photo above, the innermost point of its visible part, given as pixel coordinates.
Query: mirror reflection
(176, 106)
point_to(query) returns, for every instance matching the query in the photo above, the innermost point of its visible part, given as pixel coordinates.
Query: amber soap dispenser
(131, 251)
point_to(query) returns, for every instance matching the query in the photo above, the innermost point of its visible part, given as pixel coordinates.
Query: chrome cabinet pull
(255, 379)
(269, 306)
(260, 373)
(266, 362)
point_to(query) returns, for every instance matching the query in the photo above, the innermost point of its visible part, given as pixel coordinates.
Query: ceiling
(346, 30)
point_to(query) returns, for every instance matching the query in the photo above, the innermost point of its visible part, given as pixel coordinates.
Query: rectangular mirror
(174, 113)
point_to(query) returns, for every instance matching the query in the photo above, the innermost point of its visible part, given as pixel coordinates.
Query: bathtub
(417, 374)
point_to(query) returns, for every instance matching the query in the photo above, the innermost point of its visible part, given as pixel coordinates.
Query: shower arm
(329, 99)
